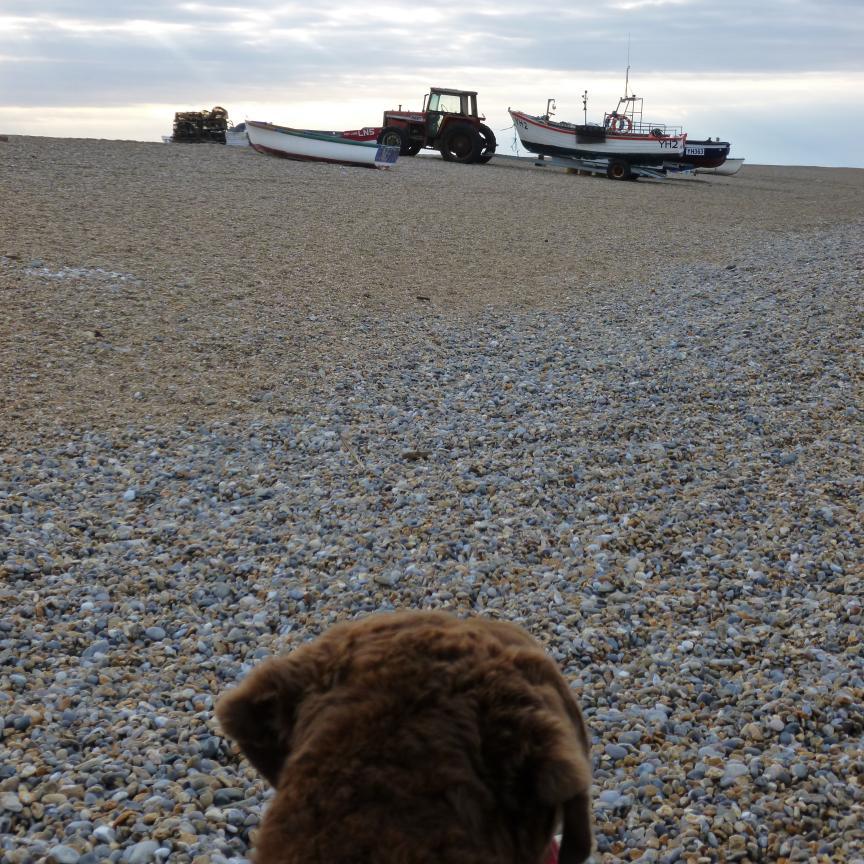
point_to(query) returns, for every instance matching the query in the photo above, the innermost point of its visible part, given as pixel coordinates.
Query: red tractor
(448, 122)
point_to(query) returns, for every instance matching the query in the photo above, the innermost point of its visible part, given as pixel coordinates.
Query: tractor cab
(439, 102)
(462, 102)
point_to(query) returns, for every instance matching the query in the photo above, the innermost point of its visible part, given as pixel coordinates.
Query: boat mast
(627, 74)
(628, 101)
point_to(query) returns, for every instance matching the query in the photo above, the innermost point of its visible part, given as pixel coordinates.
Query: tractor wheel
(618, 170)
(393, 136)
(413, 148)
(489, 144)
(461, 143)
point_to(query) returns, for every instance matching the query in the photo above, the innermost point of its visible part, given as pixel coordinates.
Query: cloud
(151, 47)
(101, 54)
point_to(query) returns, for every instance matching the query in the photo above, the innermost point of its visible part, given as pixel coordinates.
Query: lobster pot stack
(195, 127)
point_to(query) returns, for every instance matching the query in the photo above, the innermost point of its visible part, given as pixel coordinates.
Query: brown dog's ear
(564, 780)
(576, 841)
(563, 776)
(260, 713)
(536, 746)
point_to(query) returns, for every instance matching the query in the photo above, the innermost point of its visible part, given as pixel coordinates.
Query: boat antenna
(585, 107)
(627, 74)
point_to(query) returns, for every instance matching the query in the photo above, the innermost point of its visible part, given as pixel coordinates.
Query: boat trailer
(598, 166)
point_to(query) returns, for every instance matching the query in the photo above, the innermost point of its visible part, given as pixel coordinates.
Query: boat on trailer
(624, 138)
(316, 146)
(547, 137)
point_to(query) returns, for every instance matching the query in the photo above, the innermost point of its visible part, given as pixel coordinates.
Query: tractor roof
(452, 92)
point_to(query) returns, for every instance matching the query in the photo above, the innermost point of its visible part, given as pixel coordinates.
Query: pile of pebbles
(664, 488)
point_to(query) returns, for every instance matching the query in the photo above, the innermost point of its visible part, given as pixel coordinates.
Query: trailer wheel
(393, 136)
(461, 143)
(489, 144)
(618, 170)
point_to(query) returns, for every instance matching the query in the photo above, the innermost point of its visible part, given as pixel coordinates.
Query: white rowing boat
(311, 145)
(727, 169)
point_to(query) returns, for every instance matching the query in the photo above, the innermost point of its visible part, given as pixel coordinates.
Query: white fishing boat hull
(727, 169)
(308, 145)
(547, 138)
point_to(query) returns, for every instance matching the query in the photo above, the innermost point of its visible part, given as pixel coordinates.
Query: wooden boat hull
(311, 146)
(547, 138)
(706, 154)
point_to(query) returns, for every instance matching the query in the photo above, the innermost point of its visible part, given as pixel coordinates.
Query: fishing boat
(618, 138)
(624, 138)
(706, 154)
(317, 146)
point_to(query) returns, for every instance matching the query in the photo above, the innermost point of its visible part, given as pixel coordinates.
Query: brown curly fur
(415, 738)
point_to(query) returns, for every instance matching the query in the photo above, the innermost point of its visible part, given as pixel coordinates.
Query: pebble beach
(243, 398)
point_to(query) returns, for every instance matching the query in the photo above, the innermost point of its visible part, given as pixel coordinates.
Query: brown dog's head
(415, 738)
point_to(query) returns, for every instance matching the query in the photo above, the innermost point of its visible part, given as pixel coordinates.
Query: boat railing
(626, 123)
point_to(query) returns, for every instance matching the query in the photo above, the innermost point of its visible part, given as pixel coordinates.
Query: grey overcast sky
(782, 79)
